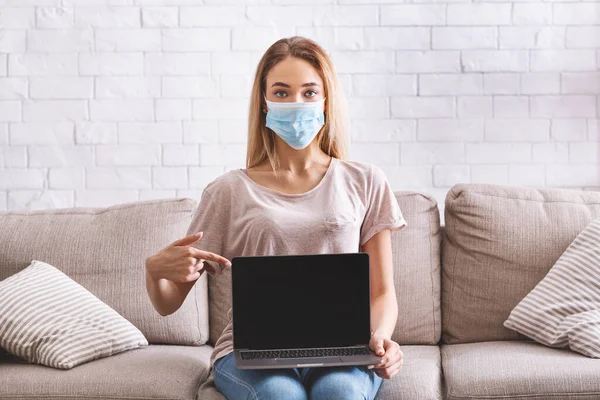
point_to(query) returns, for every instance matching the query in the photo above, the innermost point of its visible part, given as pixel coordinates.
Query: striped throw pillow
(563, 309)
(48, 318)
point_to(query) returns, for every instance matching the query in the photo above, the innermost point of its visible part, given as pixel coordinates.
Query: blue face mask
(296, 123)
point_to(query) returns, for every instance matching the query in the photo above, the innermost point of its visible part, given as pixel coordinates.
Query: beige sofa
(456, 285)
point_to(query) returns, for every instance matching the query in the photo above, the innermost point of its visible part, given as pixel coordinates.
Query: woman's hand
(389, 350)
(180, 262)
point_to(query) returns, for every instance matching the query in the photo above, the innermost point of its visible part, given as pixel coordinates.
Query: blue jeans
(353, 382)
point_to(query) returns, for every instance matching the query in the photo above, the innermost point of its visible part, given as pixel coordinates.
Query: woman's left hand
(391, 354)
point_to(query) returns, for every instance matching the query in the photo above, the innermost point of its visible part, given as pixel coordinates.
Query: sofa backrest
(416, 258)
(499, 242)
(104, 250)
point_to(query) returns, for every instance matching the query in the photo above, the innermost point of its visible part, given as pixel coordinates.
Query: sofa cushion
(517, 369)
(416, 257)
(104, 250)
(564, 308)
(151, 372)
(499, 243)
(420, 378)
(48, 318)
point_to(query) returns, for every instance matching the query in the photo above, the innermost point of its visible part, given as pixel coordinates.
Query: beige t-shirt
(239, 217)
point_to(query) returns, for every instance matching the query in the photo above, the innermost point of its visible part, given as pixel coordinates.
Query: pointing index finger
(207, 255)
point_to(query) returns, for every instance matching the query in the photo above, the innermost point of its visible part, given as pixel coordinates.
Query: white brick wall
(109, 101)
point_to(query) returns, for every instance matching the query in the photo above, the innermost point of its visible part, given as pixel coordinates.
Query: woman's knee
(273, 387)
(235, 384)
(347, 383)
(278, 387)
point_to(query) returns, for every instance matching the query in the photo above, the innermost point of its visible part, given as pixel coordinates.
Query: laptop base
(305, 362)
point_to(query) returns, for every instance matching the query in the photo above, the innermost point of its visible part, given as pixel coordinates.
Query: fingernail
(370, 366)
(228, 263)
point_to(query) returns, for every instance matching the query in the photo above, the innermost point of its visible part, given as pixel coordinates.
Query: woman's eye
(280, 94)
(310, 93)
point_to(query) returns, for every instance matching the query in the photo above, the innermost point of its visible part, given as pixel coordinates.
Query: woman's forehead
(294, 72)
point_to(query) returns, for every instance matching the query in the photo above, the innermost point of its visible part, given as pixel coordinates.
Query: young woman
(298, 195)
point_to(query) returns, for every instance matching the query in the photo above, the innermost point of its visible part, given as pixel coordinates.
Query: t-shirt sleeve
(383, 211)
(209, 219)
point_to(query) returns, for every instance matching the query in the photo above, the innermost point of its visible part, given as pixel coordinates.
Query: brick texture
(108, 101)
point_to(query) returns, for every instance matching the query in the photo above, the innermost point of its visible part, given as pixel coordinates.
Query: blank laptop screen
(301, 301)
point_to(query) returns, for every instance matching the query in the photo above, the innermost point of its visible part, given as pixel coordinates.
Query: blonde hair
(332, 138)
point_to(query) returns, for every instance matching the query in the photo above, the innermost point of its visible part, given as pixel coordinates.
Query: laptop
(301, 311)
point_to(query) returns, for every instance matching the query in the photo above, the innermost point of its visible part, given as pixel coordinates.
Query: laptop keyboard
(302, 353)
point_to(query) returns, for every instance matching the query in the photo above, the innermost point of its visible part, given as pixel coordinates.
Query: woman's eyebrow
(288, 86)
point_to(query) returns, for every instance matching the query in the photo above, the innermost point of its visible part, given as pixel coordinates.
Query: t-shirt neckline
(322, 182)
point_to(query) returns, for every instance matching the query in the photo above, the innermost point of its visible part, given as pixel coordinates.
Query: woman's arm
(166, 296)
(173, 271)
(384, 307)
